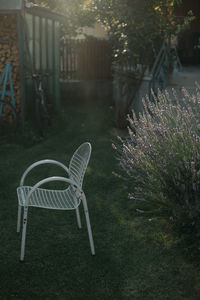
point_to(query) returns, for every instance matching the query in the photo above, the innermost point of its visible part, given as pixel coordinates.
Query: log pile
(9, 52)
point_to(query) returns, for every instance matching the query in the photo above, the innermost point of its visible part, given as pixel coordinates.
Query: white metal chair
(66, 199)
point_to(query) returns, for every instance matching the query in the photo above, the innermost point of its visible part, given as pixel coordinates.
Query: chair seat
(52, 199)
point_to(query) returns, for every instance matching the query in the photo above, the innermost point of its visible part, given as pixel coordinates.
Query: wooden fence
(86, 59)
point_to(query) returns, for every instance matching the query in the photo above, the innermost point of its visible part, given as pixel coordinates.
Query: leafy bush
(161, 160)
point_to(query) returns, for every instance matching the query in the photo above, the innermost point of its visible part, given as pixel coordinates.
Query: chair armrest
(41, 162)
(49, 179)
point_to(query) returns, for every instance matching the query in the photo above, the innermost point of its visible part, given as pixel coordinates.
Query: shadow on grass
(135, 258)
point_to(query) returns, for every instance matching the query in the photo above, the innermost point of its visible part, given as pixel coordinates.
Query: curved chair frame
(77, 190)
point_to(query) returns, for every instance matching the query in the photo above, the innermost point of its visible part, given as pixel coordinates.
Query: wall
(97, 31)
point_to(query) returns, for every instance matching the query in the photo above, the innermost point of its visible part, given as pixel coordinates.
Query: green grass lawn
(135, 258)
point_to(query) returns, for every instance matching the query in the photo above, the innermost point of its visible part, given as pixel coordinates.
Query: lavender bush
(161, 159)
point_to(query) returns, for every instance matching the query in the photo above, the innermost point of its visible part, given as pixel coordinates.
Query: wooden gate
(86, 59)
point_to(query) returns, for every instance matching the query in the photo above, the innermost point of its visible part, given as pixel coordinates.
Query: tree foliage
(76, 12)
(136, 26)
(137, 29)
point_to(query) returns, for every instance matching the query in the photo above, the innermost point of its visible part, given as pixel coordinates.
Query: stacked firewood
(9, 52)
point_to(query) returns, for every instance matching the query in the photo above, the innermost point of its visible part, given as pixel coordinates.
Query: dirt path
(187, 77)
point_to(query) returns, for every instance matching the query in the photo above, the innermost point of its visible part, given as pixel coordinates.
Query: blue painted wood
(160, 70)
(5, 82)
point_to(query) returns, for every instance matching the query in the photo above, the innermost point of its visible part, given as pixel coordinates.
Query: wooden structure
(6, 85)
(86, 59)
(29, 40)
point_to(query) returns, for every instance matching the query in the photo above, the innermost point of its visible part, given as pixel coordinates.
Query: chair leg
(88, 224)
(78, 218)
(19, 218)
(24, 233)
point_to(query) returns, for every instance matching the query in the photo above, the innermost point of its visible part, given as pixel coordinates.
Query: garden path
(186, 77)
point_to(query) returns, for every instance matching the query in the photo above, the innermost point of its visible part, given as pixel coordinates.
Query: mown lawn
(135, 258)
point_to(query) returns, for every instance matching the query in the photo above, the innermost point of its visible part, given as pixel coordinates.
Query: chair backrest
(78, 163)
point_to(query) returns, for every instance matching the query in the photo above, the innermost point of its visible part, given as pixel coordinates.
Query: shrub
(161, 160)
